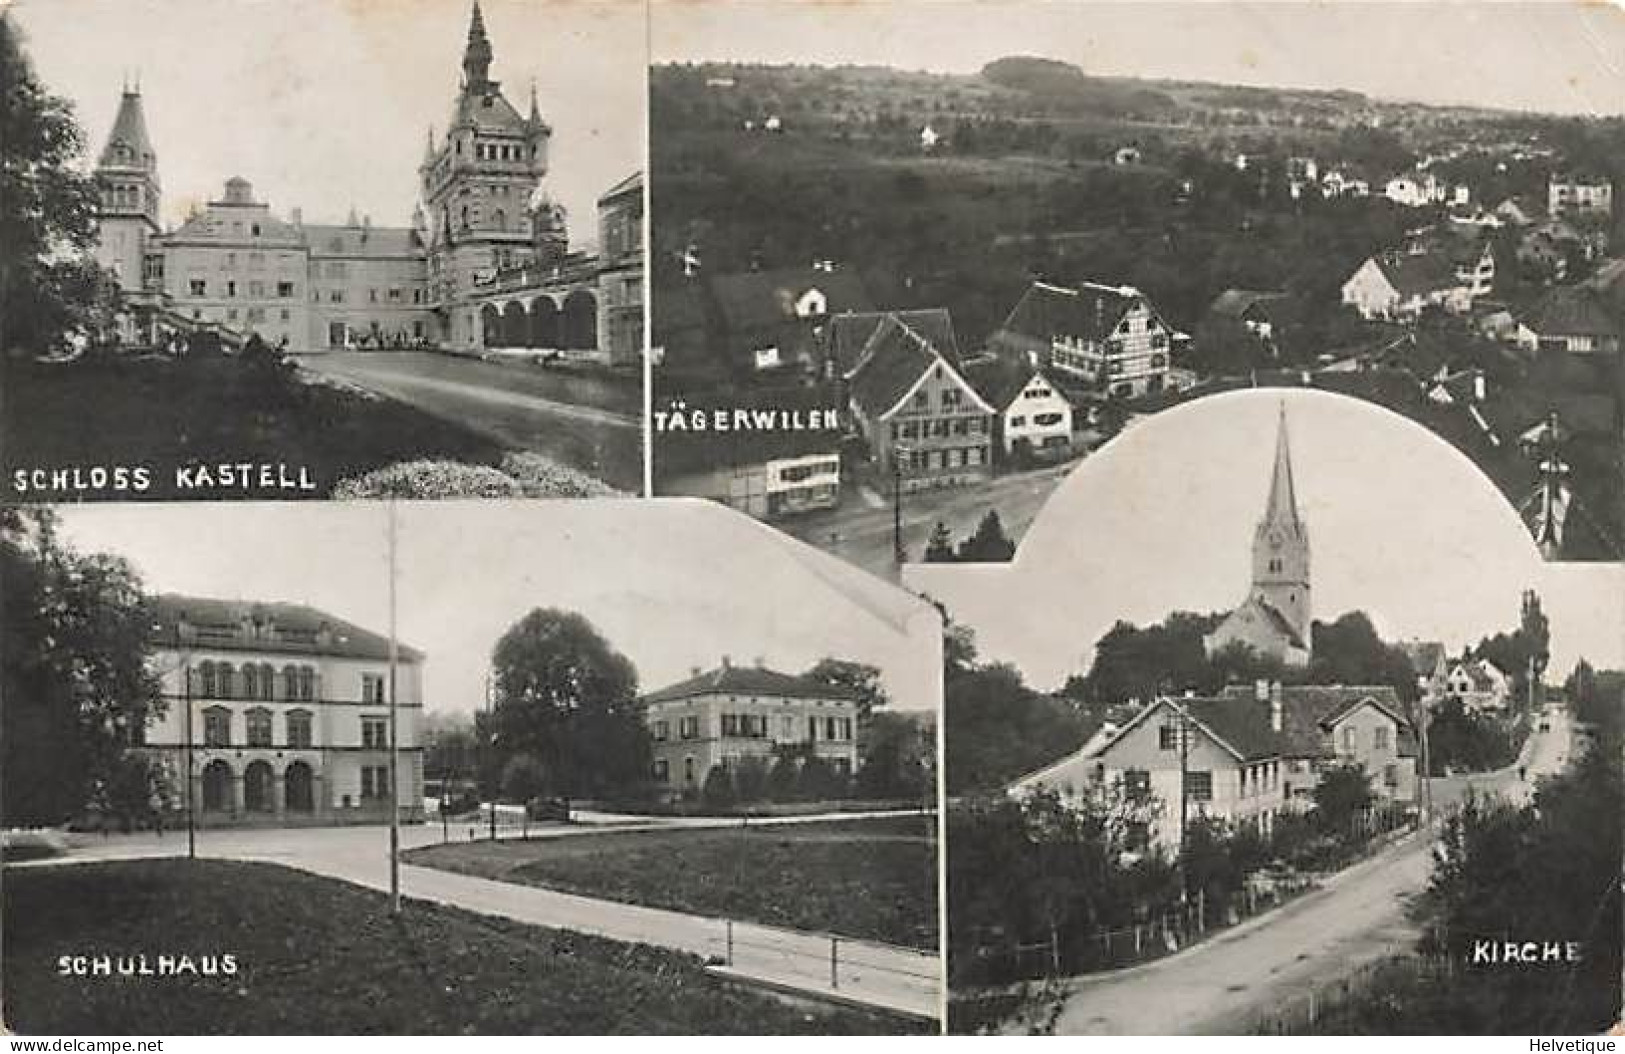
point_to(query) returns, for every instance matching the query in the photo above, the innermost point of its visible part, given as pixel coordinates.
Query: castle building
(1275, 618)
(485, 263)
(289, 714)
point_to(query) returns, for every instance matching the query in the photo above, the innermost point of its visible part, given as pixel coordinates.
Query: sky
(325, 104)
(1549, 55)
(672, 583)
(1401, 525)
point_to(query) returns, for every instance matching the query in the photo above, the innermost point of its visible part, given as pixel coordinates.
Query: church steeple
(1282, 506)
(1281, 543)
(477, 56)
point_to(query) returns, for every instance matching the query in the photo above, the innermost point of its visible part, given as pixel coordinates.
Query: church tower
(477, 185)
(1281, 544)
(129, 194)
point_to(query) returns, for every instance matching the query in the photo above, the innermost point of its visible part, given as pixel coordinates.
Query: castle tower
(129, 194)
(1281, 544)
(477, 183)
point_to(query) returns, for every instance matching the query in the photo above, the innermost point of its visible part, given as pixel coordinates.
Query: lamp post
(491, 755)
(394, 736)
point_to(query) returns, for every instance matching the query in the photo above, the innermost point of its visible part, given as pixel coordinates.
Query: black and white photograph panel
(1301, 735)
(912, 262)
(345, 250)
(654, 768)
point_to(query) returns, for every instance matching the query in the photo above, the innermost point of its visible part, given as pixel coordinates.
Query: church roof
(1282, 504)
(129, 131)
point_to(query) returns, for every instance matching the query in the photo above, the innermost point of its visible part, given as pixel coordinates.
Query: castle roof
(130, 133)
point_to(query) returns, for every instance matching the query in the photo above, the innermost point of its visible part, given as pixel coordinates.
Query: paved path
(1224, 985)
(589, 423)
(866, 973)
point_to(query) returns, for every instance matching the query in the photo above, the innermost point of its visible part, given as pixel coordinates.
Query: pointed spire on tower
(477, 56)
(428, 145)
(130, 132)
(535, 109)
(1282, 506)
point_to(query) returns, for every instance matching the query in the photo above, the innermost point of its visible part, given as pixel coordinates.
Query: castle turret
(129, 195)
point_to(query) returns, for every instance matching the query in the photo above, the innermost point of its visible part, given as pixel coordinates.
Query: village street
(860, 531)
(1224, 986)
(586, 422)
(865, 973)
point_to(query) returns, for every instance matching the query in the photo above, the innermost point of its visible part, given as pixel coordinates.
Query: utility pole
(191, 811)
(394, 736)
(491, 754)
(898, 453)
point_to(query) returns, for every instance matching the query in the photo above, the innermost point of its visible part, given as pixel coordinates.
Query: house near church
(281, 713)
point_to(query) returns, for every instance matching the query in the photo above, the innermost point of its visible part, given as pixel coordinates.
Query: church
(486, 262)
(1275, 618)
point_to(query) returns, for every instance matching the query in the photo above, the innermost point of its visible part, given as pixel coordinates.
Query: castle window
(284, 289)
(198, 287)
(256, 230)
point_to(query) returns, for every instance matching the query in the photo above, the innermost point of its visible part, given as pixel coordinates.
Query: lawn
(318, 956)
(169, 413)
(872, 879)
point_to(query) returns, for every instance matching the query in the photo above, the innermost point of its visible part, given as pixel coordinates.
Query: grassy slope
(873, 879)
(168, 413)
(322, 957)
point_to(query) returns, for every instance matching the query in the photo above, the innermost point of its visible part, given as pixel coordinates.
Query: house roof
(1424, 655)
(748, 680)
(893, 361)
(755, 299)
(851, 333)
(1417, 274)
(1574, 311)
(1089, 312)
(1000, 378)
(1235, 303)
(281, 627)
(1242, 723)
(1309, 712)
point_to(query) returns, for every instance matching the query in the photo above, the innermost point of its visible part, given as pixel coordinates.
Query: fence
(1067, 954)
(1324, 1007)
(860, 971)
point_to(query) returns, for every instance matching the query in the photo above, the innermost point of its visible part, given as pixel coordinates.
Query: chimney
(694, 671)
(759, 663)
(298, 216)
(727, 662)
(1277, 707)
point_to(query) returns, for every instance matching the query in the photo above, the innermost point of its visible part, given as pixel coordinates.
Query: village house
(725, 715)
(1109, 337)
(772, 323)
(1571, 319)
(1399, 286)
(1245, 756)
(1479, 684)
(1431, 663)
(1249, 310)
(281, 713)
(1579, 195)
(1034, 416)
(925, 425)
